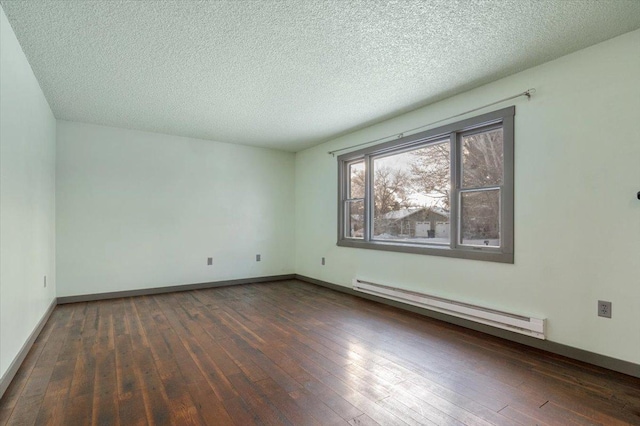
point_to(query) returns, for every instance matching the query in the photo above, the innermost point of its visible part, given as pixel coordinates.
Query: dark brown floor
(294, 353)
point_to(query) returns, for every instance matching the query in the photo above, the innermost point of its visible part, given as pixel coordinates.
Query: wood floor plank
(363, 420)
(291, 353)
(351, 393)
(454, 404)
(262, 407)
(131, 410)
(320, 411)
(242, 357)
(405, 414)
(332, 399)
(154, 396)
(211, 410)
(241, 413)
(520, 417)
(29, 405)
(21, 378)
(195, 348)
(285, 403)
(271, 361)
(105, 391)
(79, 411)
(420, 411)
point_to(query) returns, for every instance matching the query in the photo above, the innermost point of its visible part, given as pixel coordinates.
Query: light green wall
(141, 210)
(27, 199)
(577, 219)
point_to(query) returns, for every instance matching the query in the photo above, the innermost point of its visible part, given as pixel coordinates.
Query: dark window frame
(454, 132)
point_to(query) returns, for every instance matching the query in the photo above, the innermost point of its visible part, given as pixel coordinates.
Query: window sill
(485, 254)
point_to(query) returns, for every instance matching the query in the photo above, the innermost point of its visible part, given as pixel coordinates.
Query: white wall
(577, 219)
(27, 199)
(140, 210)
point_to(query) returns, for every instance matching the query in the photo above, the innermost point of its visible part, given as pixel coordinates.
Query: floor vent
(517, 323)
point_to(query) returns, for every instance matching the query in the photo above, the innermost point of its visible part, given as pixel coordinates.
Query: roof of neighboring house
(441, 212)
(403, 213)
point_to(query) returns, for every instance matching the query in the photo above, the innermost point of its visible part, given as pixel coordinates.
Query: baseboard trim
(170, 289)
(5, 381)
(604, 361)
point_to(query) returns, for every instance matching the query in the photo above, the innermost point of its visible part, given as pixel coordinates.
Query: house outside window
(445, 192)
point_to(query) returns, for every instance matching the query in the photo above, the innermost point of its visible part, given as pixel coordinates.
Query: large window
(445, 192)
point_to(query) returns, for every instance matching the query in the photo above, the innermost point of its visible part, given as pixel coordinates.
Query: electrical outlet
(257, 258)
(45, 281)
(209, 261)
(604, 309)
(323, 261)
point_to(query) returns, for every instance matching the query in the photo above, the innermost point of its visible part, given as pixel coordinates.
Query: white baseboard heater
(533, 327)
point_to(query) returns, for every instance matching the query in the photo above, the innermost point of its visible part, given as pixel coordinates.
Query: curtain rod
(526, 93)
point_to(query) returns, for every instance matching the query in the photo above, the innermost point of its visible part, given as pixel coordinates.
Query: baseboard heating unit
(533, 327)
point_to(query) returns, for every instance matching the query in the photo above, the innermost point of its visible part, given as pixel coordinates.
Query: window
(444, 192)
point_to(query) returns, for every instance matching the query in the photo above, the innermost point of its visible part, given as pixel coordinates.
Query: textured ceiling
(288, 74)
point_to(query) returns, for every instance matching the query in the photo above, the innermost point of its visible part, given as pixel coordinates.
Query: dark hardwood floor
(294, 353)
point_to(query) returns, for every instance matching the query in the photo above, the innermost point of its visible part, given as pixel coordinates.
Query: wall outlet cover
(604, 309)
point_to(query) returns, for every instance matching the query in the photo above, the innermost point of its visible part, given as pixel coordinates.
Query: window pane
(411, 195)
(480, 218)
(354, 219)
(356, 180)
(482, 160)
